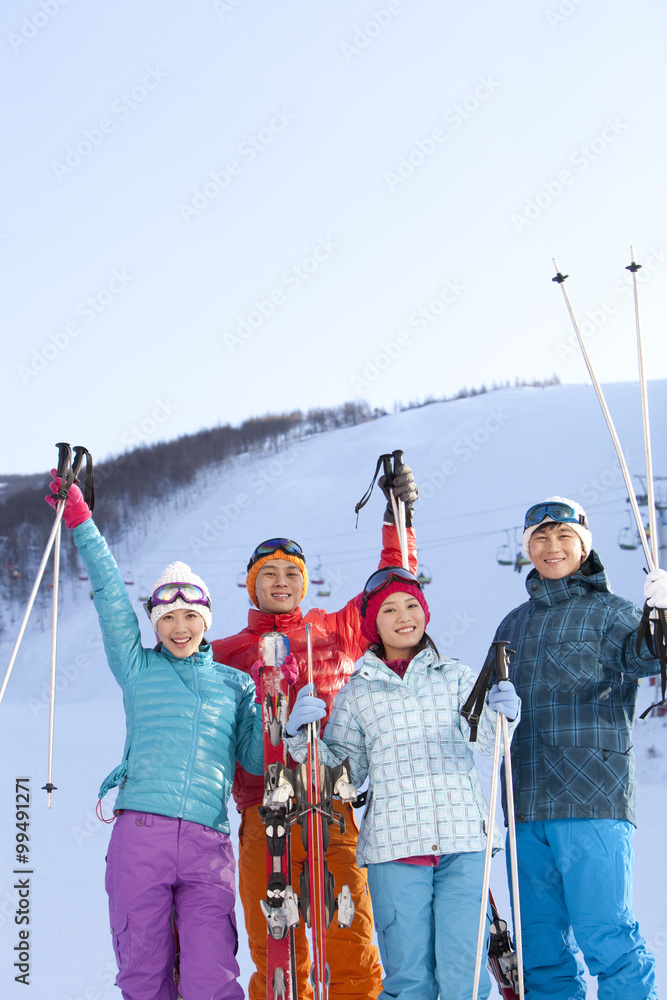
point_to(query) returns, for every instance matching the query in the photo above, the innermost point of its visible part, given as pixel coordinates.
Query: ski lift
(317, 576)
(424, 575)
(240, 580)
(628, 538)
(325, 590)
(521, 559)
(84, 577)
(504, 553)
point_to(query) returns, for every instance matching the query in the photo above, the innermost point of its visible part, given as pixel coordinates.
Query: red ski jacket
(337, 645)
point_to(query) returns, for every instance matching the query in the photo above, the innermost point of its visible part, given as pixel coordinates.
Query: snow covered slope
(478, 461)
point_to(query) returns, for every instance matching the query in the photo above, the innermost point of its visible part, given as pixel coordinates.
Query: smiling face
(555, 551)
(400, 623)
(278, 587)
(181, 631)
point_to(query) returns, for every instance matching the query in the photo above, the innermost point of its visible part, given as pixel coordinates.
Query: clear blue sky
(220, 209)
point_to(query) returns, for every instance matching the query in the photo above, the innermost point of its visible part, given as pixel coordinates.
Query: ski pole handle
(399, 516)
(502, 662)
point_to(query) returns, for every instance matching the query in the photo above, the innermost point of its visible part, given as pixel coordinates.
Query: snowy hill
(478, 461)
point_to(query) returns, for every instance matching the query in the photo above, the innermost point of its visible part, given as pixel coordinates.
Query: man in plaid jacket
(576, 669)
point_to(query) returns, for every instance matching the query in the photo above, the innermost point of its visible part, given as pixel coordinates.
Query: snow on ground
(479, 462)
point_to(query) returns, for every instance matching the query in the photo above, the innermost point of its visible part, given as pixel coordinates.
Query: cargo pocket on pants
(120, 937)
(388, 936)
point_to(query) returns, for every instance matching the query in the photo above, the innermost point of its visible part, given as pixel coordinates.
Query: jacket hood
(590, 577)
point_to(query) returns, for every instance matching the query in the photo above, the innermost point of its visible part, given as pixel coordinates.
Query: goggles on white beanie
(576, 520)
(175, 573)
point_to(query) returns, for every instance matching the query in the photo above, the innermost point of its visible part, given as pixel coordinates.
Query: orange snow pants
(353, 958)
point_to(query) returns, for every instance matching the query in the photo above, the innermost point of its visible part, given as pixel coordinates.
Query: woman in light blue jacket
(188, 721)
(423, 835)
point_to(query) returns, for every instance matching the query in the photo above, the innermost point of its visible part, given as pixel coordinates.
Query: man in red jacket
(277, 582)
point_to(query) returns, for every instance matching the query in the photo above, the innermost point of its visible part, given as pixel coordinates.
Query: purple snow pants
(154, 862)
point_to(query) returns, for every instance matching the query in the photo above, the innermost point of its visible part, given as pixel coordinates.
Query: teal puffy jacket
(188, 720)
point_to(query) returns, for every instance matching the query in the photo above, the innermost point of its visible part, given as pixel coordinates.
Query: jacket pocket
(121, 937)
(587, 778)
(571, 666)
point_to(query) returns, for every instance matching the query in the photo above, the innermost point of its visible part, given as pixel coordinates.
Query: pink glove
(289, 667)
(76, 509)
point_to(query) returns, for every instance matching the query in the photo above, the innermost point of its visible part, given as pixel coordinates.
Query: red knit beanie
(368, 620)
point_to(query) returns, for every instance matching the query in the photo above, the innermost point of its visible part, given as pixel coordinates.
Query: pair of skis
(303, 795)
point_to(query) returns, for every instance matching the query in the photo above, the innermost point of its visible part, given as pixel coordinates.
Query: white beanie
(584, 533)
(179, 572)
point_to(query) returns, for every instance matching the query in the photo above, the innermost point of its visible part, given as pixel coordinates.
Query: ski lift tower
(660, 500)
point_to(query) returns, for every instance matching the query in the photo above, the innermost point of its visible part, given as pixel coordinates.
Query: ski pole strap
(495, 663)
(652, 632)
(89, 483)
(473, 707)
(384, 461)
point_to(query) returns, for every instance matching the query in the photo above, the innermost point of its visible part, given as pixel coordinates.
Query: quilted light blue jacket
(409, 738)
(188, 720)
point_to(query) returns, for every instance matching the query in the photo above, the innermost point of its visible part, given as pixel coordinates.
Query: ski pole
(67, 470)
(33, 593)
(398, 507)
(64, 461)
(560, 279)
(320, 968)
(650, 493)
(501, 728)
(503, 674)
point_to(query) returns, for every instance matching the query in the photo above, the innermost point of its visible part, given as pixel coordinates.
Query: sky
(226, 208)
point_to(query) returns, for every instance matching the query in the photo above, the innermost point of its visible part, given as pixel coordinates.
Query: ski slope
(479, 463)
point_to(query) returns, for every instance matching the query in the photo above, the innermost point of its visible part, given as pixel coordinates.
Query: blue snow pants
(575, 890)
(426, 919)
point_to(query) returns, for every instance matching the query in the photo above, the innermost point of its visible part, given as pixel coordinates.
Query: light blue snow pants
(575, 889)
(426, 921)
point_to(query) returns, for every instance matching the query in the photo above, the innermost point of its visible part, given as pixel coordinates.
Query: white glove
(655, 589)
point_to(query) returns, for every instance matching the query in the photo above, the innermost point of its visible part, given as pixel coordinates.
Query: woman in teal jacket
(188, 721)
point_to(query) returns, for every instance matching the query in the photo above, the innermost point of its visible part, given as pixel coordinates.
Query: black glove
(404, 488)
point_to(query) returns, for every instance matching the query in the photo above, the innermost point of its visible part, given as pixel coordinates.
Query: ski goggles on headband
(381, 578)
(561, 512)
(272, 545)
(167, 593)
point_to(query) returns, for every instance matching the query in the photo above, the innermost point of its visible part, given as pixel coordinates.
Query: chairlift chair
(628, 538)
(504, 553)
(317, 576)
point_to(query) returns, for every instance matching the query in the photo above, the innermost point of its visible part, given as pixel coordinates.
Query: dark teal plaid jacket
(575, 668)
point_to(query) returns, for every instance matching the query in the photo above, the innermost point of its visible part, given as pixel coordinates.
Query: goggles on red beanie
(379, 586)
